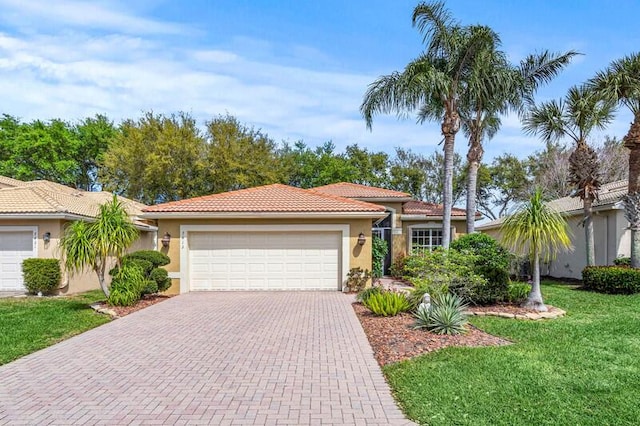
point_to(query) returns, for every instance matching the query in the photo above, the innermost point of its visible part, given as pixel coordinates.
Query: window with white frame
(425, 239)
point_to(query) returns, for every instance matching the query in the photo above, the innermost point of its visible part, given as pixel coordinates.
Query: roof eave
(260, 215)
(375, 200)
(430, 217)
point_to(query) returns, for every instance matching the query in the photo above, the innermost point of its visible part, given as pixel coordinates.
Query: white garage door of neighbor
(15, 246)
(264, 260)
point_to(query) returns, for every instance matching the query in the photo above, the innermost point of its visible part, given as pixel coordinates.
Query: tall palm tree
(575, 117)
(495, 87)
(621, 83)
(94, 244)
(433, 84)
(539, 231)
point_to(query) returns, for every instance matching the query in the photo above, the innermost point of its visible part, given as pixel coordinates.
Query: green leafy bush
(518, 292)
(365, 294)
(155, 257)
(41, 275)
(445, 316)
(149, 287)
(492, 261)
(622, 261)
(611, 279)
(387, 303)
(423, 286)
(357, 279)
(161, 278)
(127, 285)
(379, 251)
(397, 266)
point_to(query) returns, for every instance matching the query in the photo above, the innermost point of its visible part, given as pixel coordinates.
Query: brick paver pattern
(227, 358)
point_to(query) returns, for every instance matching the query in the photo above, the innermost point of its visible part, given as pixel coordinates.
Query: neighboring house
(612, 236)
(278, 237)
(32, 219)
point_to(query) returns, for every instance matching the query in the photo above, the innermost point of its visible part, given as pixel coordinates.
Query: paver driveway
(208, 358)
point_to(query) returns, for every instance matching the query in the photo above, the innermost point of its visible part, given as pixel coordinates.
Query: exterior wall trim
(266, 215)
(183, 274)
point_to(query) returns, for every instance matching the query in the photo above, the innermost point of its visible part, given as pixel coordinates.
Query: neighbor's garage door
(264, 260)
(15, 246)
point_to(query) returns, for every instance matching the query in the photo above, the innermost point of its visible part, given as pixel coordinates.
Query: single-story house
(32, 219)
(611, 231)
(278, 237)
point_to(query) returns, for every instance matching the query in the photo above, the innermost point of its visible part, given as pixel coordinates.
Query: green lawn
(29, 324)
(583, 369)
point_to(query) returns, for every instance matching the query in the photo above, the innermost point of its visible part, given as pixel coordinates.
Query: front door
(382, 229)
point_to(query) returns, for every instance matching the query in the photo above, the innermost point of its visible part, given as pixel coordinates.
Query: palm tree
(495, 87)
(433, 84)
(576, 116)
(620, 82)
(539, 231)
(94, 244)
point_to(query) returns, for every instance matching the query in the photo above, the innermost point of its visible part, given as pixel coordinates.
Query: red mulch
(145, 302)
(393, 339)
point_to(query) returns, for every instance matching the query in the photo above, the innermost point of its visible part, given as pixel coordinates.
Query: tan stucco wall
(81, 281)
(400, 242)
(359, 256)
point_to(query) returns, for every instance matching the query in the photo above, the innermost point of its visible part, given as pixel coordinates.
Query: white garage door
(15, 246)
(264, 260)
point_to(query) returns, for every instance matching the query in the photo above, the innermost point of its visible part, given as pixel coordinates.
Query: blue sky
(295, 69)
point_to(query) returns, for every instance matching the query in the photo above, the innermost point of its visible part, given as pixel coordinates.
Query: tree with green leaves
(94, 244)
(307, 168)
(576, 117)
(95, 135)
(539, 231)
(510, 183)
(620, 82)
(433, 83)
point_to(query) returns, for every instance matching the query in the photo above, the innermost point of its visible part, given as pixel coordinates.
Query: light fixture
(166, 239)
(46, 237)
(362, 239)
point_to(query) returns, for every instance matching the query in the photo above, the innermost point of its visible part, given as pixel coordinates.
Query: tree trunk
(99, 270)
(588, 231)
(534, 301)
(450, 126)
(632, 141)
(472, 180)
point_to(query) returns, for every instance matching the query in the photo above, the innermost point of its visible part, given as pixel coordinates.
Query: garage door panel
(264, 260)
(15, 246)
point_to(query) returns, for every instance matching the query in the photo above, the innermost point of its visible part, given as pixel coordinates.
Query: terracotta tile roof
(267, 199)
(354, 190)
(7, 182)
(429, 209)
(44, 197)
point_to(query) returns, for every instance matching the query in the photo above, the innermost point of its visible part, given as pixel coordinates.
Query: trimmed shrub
(357, 279)
(149, 287)
(622, 261)
(365, 294)
(41, 275)
(155, 257)
(387, 303)
(423, 286)
(611, 279)
(518, 292)
(397, 266)
(161, 278)
(445, 316)
(492, 262)
(127, 285)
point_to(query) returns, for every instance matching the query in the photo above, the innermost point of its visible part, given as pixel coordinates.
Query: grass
(583, 369)
(33, 323)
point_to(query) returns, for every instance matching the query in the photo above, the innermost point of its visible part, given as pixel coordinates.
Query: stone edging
(99, 309)
(552, 313)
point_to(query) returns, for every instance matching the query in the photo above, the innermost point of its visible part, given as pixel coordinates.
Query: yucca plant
(445, 316)
(387, 303)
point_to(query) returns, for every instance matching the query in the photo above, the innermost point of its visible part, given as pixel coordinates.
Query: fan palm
(576, 116)
(539, 231)
(93, 245)
(433, 84)
(495, 87)
(620, 82)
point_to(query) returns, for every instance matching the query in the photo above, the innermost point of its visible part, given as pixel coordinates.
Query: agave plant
(445, 316)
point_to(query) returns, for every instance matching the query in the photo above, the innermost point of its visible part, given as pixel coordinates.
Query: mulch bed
(145, 302)
(393, 339)
(503, 307)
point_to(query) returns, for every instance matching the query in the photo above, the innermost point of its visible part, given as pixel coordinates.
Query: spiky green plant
(445, 316)
(93, 244)
(539, 231)
(365, 294)
(387, 303)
